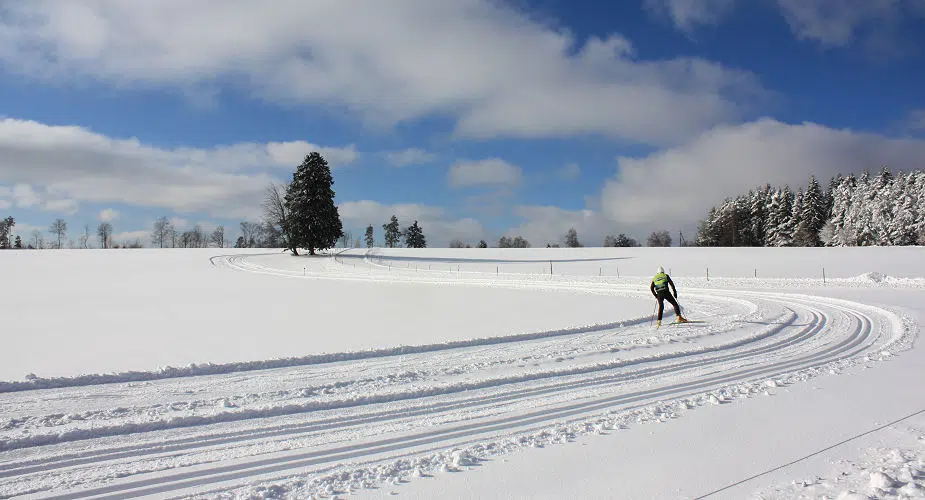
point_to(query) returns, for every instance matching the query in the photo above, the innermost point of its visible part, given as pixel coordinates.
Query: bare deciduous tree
(161, 233)
(218, 236)
(659, 239)
(85, 238)
(104, 233)
(274, 209)
(250, 231)
(59, 229)
(457, 243)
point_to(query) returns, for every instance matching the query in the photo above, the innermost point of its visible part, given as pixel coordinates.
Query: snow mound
(882, 481)
(871, 277)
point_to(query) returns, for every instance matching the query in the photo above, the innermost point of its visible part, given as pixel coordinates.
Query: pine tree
(813, 215)
(483, 244)
(780, 225)
(392, 232)
(758, 212)
(314, 221)
(797, 226)
(370, 240)
(841, 203)
(706, 234)
(414, 236)
(859, 217)
(571, 239)
(6, 228)
(901, 229)
(18, 244)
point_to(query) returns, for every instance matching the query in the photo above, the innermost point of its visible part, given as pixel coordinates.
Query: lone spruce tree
(414, 236)
(313, 222)
(370, 240)
(392, 232)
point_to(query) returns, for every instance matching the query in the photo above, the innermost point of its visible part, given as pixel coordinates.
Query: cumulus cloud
(63, 206)
(25, 197)
(76, 164)
(548, 224)
(128, 237)
(179, 223)
(835, 23)
(689, 14)
(830, 23)
(492, 68)
(411, 156)
(488, 172)
(674, 188)
(294, 152)
(439, 228)
(108, 215)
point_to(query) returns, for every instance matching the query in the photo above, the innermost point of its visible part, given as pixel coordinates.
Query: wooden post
(708, 273)
(823, 275)
(550, 268)
(756, 272)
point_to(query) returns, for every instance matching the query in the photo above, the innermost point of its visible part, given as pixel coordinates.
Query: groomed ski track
(330, 424)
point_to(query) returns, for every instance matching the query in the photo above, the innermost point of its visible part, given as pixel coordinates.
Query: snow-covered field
(462, 373)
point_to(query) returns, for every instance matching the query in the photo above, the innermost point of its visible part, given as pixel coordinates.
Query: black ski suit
(661, 294)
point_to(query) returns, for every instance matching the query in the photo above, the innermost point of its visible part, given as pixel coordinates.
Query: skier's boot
(658, 323)
(682, 319)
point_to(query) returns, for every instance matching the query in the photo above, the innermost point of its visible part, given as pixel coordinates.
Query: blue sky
(525, 117)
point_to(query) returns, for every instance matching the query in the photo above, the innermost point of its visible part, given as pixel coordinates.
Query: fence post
(618, 271)
(708, 273)
(823, 275)
(756, 272)
(550, 268)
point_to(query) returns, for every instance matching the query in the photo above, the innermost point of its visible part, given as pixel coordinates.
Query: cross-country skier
(659, 288)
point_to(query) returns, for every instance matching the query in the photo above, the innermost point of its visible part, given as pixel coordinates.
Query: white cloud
(411, 156)
(548, 225)
(128, 237)
(25, 196)
(673, 189)
(570, 171)
(689, 14)
(494, 69)
(489, 172)
(65, 206)
(108, 215)
(835, 23)
(179, 223)
(5, 204)
(293, 153)
(831, 23)
(77, 164)
(438, 227)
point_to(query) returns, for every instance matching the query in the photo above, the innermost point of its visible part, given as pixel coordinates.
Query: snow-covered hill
(253, 373)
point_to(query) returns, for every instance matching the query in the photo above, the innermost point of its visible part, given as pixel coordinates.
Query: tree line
(58, 229)
(885, 209)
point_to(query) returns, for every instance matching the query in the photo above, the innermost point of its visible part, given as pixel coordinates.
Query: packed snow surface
(252, 373)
